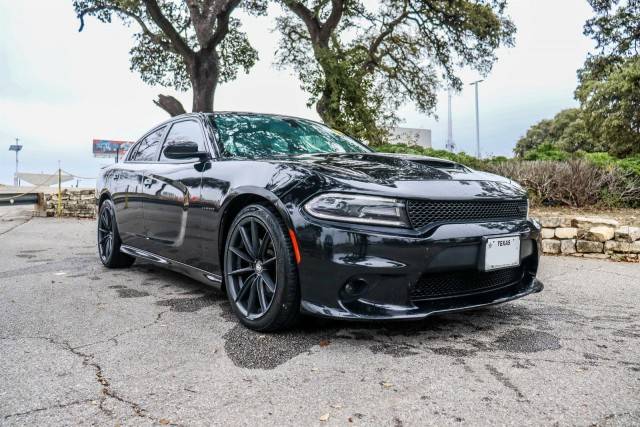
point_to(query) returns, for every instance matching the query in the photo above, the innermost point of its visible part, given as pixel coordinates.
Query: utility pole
(16, 147)
(478, 153)
(450, 145)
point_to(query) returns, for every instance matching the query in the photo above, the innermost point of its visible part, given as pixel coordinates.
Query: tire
(109, 238)
(260, 271)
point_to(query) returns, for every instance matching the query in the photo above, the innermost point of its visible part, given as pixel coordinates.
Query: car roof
(239, 113)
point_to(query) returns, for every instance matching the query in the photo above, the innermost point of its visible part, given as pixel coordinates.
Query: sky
(60, 89)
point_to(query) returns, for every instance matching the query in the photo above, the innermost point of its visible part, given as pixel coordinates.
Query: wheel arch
(238, 201)
(103, 196)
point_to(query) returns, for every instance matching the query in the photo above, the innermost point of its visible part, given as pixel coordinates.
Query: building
(411, 136)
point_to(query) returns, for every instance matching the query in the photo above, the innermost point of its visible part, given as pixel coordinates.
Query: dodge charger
(290, 217)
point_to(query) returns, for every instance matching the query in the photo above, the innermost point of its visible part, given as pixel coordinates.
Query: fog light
(354, 287)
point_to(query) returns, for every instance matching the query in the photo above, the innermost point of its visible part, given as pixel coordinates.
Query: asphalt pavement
(84, 345)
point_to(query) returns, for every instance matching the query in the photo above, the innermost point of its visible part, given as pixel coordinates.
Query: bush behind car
(556, 179)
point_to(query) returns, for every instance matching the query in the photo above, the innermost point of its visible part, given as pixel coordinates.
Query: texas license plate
(502, 252)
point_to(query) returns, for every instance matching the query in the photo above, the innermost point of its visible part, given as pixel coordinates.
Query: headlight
(358, 208)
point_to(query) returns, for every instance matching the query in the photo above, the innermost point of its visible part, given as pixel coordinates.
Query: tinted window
(186, 131)
(254, 135)
(146, 151)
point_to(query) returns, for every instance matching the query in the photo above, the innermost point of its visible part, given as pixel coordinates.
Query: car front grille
(445, 285)
(424, 212)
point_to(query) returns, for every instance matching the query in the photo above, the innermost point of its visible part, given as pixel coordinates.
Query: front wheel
(260, 270)
(109, 238)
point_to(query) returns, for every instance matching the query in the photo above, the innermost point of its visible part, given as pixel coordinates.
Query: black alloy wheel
(105, 234)
(109, 239)
(260, 274)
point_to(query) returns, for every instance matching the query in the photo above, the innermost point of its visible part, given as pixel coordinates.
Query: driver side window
(184, 131)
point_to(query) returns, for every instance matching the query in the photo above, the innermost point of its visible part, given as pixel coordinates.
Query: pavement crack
(15, 226)
(505, 381)
(101, 378)
(47, 408)
(107, 391)
(115, 337)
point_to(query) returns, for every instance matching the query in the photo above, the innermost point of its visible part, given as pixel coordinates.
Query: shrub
(462, 158)
(606, 160)
(576, 182)
(546, 151)
(554, 177)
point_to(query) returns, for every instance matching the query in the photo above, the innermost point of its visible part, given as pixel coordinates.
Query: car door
(170, 188)
(128, 187)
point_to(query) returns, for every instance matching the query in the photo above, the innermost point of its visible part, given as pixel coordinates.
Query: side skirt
(201, 276)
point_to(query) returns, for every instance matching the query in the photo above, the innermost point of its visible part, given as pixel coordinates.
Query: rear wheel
(109, 238)
(260, 271)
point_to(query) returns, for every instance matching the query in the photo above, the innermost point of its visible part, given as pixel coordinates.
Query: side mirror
(182, 150)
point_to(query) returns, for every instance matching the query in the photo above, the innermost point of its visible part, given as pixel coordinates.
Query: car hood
(406, 176)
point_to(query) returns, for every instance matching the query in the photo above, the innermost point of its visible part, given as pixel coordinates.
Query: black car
(292, 217)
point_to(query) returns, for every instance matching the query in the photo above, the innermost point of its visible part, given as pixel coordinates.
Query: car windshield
(254, 135)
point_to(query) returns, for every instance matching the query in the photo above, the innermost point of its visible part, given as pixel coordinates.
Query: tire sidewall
(108, 205)
(284, 259)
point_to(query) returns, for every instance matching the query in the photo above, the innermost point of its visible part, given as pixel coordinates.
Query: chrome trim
(170, 263)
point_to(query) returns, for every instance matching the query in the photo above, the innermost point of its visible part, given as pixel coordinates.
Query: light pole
(16, 147)
(478, 155)
(450, 145)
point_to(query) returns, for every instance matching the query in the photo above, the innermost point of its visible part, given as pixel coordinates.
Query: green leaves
(612, 107)
(379, 57)
(235, 53)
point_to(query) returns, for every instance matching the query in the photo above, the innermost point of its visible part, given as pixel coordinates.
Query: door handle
(147, 182)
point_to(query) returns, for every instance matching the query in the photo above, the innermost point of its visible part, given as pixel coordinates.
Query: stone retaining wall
(589, 237)
(75, 203)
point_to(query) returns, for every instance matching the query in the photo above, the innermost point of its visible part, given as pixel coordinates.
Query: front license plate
(502, 252)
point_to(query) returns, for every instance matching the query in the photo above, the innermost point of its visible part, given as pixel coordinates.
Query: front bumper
(386, 267)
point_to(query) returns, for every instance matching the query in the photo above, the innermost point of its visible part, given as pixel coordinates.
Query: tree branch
(170, 104)
(156, 38)
(222, 24)
(180, 45)
(337, 8)
(390, 27)
(308, 17)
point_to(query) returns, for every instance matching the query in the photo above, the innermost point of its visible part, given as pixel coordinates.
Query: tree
(181, 44)
(359, 65)
(616, 30)
(567, 131)
(611, 106)
(609, 89)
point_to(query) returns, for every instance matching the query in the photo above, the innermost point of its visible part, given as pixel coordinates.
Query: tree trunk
(322, 108)
(169, 104)
(204, 80)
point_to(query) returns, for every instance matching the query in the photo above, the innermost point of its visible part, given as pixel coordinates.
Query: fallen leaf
(337, 406)
(164, 421)
(324, 417)
(314, 369)
(350, 419)
(324, 342)
(386, 384)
